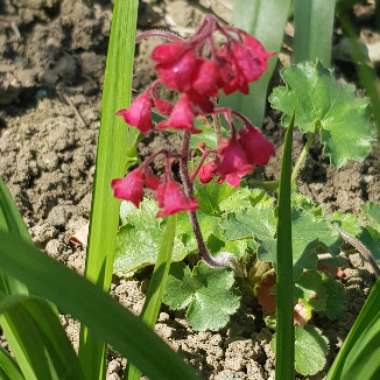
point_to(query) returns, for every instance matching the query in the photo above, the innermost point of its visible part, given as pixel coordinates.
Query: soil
(52, 62)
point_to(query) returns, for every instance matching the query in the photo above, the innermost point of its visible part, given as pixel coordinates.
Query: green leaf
(139, 239)
(258, 222)
(208, 293)
(11, 221)
(9, 370)
(312, 289)
(336, 303)
(312, 37)
(308, 232)
(38, 340)
(253, 16)
(311, 349)
(372, 211)
(115, 146)
(88, 303)
(157, 284)
(211, 195)
(284, 268)
(323, 104)
(358, 357)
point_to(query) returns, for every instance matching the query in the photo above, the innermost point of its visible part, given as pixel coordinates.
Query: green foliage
(311, 349)
(9, 369)
(322, 293)
(310, 231)
(157, 284)
(86, 302)
(312, 37)
(284, 268)
(358, 357)
(115, 147)
(328, 107)
(208, 294)
(139, 238)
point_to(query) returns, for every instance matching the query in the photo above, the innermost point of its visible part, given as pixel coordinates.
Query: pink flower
(232, 77)
(207, 80)
(207, 172)
(163, 106)
(129, 188)
(251, 57)
(171, 199)
(139, 113)
(151, 180)
(182, 116)
(256, 147)
(175, 64)
(234, 163)
(203, 102)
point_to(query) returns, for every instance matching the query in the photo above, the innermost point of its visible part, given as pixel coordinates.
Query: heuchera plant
(236, 226)
(216, 58)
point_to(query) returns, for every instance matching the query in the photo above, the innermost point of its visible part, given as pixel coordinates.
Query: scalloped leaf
(322, 103)
(208, 294)
(138, 240)
(311, 349)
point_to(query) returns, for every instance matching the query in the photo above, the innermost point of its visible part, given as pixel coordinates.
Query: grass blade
(9, 370)
(284, 269)
(37, 339)
(359, 356)
(157, 284)
(314, 23)
(115, 143)
(11, 221)
(264, 19)
(108, 320)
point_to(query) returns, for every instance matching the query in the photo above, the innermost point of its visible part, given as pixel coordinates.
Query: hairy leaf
(139, 239)
(311, 288)
(324, 105)
(208, 294)
(311, 349)
(336, 303)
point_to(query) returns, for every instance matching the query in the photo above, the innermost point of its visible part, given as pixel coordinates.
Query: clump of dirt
(52, 57)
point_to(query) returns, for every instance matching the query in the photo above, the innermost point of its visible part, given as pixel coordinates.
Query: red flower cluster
(238, 156)
(198, 69)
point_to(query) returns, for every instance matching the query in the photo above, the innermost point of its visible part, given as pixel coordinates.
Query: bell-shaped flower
(231, 75)
(207, 80)
(176, 64)
(234, 163)
(139, 113)
(182, 116)
(256, 147)
(129, 188)
(207, 171)
(171, 199)
(251, 58)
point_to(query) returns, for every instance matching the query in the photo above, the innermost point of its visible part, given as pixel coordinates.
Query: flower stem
(302, 157)
(222, 260)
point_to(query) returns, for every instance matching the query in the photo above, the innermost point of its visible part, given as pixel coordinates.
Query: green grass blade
(38, 340)
(9, 370)
(314, 23)
(114, 145)
(11, 221)
(284, 269)
(264, 19)
(157, 284)
(359, 356)
(88, 303)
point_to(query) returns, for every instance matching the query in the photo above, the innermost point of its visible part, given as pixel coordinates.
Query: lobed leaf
(208, 294)
(139, 239)
(328, 107)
